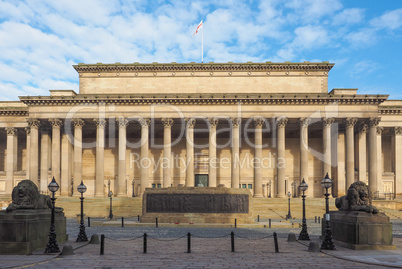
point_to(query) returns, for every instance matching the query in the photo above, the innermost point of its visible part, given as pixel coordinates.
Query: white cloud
(349, 16)
(390, 20)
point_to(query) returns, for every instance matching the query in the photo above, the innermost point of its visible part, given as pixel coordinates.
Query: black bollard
(232, 239)
(156, 222)
(145, 242)
(269, 223)
(89, 222)
(122, 221)
(138, 217)
(318, 219)
(258, 218)
(276, 242)
(315, 219)
(102, 246)
(189, 243)
(235, 223)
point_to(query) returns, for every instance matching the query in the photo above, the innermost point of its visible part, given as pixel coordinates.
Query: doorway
(201, 180)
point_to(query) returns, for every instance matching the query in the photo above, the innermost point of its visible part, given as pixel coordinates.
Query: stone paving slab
(254, 248)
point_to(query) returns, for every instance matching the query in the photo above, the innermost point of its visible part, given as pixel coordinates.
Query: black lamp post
(327, 242)
(133, 187)
(82, 236)
(110, 212)
(52, 246)
(269, 186)
(289, 216)
(304, 234)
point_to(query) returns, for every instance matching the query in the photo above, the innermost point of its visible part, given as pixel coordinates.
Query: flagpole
(202, 45)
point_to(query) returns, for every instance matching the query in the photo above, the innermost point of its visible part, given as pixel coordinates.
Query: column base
(280, 196)
(99, 195)
(258, 196)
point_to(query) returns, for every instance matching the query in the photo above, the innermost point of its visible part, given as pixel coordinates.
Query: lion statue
(357, 199)
(26, 196)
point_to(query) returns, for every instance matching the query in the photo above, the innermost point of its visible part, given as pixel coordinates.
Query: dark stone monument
(197, 205)
(358, 224)
(25, 224)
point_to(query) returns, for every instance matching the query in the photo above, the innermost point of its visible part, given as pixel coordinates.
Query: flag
(198, 28)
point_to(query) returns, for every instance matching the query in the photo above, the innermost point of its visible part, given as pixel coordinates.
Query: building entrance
(201, 180)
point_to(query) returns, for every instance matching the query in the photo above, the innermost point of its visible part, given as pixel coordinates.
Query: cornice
(207, 99)
(8, 111)
(390, 110)
(207, 67)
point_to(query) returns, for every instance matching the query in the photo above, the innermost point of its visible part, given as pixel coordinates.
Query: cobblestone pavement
(210, 248)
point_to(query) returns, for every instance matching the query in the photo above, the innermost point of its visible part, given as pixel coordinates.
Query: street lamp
(304, 234)
(133, 187)
(327, 242)
(52, 246)
(289, 216)
(82, 236)
(110, 212)
(269, 185)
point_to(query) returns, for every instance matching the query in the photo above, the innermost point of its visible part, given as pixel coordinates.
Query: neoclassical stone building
(262, 126)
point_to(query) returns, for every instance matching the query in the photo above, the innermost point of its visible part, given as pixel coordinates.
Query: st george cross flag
(198, 28)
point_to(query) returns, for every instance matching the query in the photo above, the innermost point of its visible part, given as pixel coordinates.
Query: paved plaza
(210, 248)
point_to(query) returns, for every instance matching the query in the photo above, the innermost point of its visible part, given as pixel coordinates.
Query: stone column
(304, 122)
(167, 152)
(398, 161)
(34, 151)
(44, 158)
(12, 136)
(362, 152)
(258, 122)
(380, 164)
(213, 122)
(372, 123)
(77, 175)
(236, 152)
(28, 152)
(65, 186)
(326, 137)
(350, 151)
(121, 178)
(56, 149)
(145, 162)
(190, 152)
(281, 157)
(100, 157)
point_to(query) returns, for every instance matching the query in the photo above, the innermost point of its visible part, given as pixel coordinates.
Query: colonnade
(61, 167)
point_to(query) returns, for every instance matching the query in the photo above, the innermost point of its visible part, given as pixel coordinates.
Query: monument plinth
(361, 230)
(197, 205)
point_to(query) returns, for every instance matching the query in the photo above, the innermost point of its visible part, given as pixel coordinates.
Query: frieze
(197, 203)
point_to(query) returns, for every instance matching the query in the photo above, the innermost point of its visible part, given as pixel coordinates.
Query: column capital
(27, 130)
(33, 123)
(304, 122)
(373, 122)
(190, 123)
(56, 123)
(258, 121)
(144, 122)
(213, 122)
(99, 122)
(380, 130)
(363, 127)
(167, 122)
(327, 122)
(236, 122)
(398, 130)
(281, 121)
(350, 122)
(122, 122)
(11, 131)
(78, 123)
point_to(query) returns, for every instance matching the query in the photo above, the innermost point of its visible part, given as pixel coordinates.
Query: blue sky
(41, 40)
